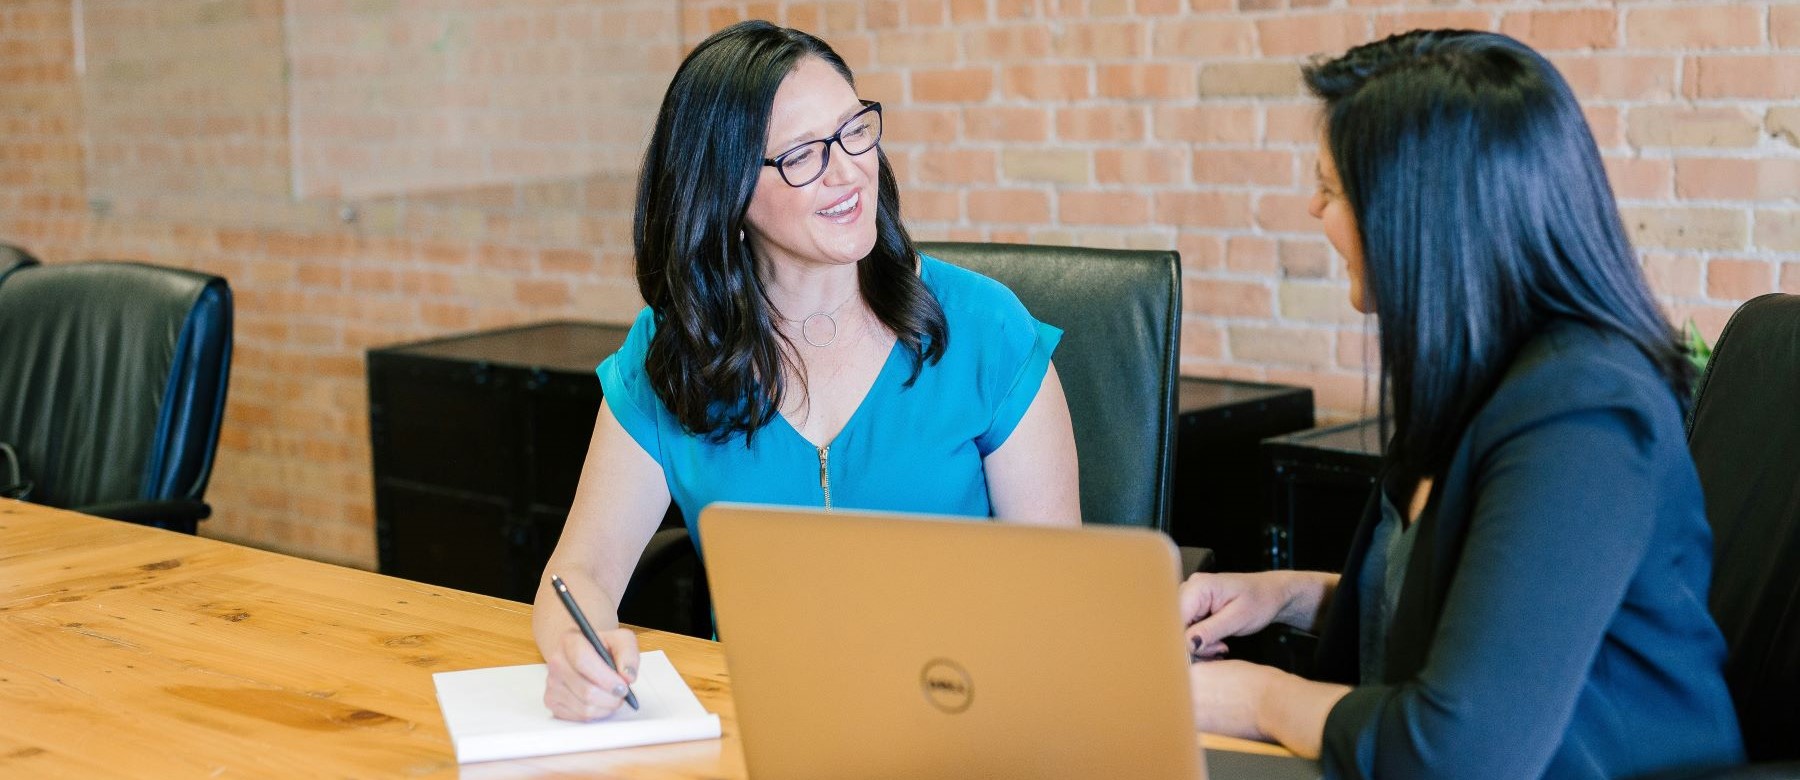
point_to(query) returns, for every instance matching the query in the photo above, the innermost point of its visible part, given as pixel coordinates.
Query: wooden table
(130, 651)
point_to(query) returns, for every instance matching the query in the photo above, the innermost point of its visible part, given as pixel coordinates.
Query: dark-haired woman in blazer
(1527, 593)
(795, 348)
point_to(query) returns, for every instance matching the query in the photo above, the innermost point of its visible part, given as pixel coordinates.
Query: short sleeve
(1025, 343)
(625, 385)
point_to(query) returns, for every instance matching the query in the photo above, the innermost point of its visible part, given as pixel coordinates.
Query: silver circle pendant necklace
(820, 321)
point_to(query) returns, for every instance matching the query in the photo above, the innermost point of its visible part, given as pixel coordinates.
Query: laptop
(867, 644)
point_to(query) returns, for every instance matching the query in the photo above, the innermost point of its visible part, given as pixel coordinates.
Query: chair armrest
(183, 515)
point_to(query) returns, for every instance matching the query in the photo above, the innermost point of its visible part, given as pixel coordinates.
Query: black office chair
(112, 387)
(13, 258)
(1744, 433)
(1120, 312)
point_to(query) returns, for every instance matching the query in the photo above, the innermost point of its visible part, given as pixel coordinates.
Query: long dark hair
(1484, 213)
(716, 358)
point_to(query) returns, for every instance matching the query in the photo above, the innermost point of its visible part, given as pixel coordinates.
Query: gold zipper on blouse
(825, 474)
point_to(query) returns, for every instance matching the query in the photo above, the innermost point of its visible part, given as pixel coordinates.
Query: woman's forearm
(1308, 594)
(1293, 712)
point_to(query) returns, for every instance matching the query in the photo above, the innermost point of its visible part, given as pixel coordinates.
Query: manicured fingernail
(630, 673)
(619, 691)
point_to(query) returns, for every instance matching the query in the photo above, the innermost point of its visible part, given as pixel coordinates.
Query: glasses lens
(861, 134)
(804, 164)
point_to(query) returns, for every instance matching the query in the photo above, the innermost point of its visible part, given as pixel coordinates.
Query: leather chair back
(13, 258)
(1744, 433)
(1120, 312)
(112, 380)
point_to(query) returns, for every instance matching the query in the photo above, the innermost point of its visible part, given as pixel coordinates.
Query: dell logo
(947, 685)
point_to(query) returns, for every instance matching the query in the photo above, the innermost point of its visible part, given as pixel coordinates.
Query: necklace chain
(806, 323)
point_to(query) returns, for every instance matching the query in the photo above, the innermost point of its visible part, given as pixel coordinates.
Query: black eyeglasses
(804, 164)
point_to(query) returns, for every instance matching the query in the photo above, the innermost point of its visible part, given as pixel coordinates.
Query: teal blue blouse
(916, 448)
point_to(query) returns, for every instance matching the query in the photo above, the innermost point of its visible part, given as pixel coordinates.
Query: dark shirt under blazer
(1553, 622)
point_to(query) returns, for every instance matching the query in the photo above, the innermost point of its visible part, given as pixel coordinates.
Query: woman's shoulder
(1571, 367)
(968, 295)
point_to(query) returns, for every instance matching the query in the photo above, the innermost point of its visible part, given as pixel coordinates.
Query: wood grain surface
(127, 651)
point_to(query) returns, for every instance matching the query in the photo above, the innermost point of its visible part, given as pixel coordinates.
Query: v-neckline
(856, 414)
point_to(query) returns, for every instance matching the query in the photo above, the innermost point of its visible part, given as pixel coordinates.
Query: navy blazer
(1553, 621)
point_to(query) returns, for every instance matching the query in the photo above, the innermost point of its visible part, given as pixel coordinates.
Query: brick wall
(1151, 123)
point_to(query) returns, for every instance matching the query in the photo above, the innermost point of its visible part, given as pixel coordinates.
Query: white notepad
(499, 713)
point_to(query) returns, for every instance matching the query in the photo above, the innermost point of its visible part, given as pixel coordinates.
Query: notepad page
(499, 713)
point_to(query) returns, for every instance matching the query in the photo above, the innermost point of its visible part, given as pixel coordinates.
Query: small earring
(740, 236)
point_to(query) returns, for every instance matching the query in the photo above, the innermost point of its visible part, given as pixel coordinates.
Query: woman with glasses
(795, 349)
(1527, 594)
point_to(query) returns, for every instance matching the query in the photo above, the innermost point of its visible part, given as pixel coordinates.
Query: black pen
(562, 591)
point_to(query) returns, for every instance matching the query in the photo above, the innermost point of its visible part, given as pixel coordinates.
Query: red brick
(1784, 26)
(1724, 126)
(1687, 228)
(958, 85)
(1045, 82)
(1201, 339)
(1390, 23)
(1225, 298)
(1064, 166)
(1146, 80)
(1673, 274)
(1012, 43)
(1251, 255)
(1778, 230)
(1004, 123)
(1729, 178)
(1688, 27)
(1099, 41)
(1205, 124)
(1244, 167)
(1739, 280)
(1100, 123)
(1250, 79)
(1284, 212)
(1203, 209)
(1026, 206)
(1284, 346)
(933, 205)
(1200, 251)
(1102, 208)
(1639, 178)
(914, 47)
(1594, 76)
(1203, 38)
(957, 166)
(1757, 77)
(1140, 167)
(1310, 301)
(1563, 29)
(1298, 35)
(1304, 258)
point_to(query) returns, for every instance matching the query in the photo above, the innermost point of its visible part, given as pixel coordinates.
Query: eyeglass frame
(825, 157)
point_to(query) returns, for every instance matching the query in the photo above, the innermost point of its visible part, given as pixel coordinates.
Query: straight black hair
(1485, 213)
(715, 360)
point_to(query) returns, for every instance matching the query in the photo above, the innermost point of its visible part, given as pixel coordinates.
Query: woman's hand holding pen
(580, 687)
(1217, 606)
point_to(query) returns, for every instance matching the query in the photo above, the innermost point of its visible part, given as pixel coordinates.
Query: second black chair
(112, 386)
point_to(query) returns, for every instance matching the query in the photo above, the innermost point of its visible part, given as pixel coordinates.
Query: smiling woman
(796, 349)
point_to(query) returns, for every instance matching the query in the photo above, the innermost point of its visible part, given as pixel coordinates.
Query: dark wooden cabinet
(1322, 478)
(1221, 482)
(478, 442)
